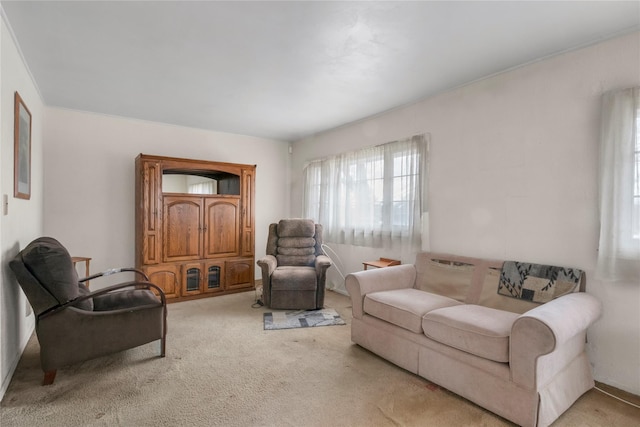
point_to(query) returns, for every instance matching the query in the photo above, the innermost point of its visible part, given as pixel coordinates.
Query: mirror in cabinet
(200, 182)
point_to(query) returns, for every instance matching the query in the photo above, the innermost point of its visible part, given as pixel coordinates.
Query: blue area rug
(302, 319)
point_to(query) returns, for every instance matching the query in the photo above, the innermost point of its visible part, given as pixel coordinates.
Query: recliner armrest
(268, 263)
(322, 263)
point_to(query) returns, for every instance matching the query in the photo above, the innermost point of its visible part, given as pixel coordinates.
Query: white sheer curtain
(371, 197)
(619, 248)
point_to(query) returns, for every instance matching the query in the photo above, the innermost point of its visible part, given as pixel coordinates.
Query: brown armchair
(294, 268)
(74, 324)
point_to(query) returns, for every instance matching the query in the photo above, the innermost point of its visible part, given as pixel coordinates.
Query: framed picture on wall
(21, 150)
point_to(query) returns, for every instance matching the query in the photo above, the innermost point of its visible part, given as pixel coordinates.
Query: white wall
(24, 220)
(514, 176)
(89, 178)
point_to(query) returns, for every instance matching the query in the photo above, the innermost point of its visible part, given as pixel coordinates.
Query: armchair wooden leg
(49, 377)
(163, 340)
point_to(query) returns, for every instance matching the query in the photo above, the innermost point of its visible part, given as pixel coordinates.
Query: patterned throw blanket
(536, 282)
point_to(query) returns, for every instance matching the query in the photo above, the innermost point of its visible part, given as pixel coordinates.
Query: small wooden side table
(382, 262)
(86, 260)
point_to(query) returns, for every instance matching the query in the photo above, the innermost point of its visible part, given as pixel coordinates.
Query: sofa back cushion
(457, 277)
(445, 277)
(489, 296)
(476, 281)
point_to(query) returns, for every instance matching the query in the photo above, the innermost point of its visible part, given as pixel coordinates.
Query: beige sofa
(444, 320)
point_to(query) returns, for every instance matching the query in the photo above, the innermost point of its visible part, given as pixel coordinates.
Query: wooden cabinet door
(151, 210)
(214, 279)
(248, 214)
(166, 276)
(239, 274)
(182, 228)
(222, 219)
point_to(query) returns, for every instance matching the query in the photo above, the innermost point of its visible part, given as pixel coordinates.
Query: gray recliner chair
(74, 324)
(294, 268)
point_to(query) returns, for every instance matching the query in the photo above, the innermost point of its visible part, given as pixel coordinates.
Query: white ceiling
(286, 70)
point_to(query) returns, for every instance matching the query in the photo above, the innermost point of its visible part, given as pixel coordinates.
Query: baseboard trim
(619, 394)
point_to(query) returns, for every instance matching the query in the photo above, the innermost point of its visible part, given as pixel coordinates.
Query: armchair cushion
(296, 228)
(294, 279)
(85, 304)
(296, 260)
(50, 263)
(125, 299)
(295, 242)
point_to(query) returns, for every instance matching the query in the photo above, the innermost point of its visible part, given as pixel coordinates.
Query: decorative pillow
(51, 264)
(537, 282)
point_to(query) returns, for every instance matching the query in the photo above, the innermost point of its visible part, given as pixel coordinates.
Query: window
(619, 246)
(370, 197)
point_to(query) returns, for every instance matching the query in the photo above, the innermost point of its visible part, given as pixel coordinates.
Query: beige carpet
(223, 369)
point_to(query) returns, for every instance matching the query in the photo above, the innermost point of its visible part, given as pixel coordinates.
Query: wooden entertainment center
(194, 231)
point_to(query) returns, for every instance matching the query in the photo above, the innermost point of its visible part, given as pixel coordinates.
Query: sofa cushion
(472, 328)
(404, 307)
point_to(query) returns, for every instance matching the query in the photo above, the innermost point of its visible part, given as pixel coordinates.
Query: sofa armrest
(549, 328)
(381, 279)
